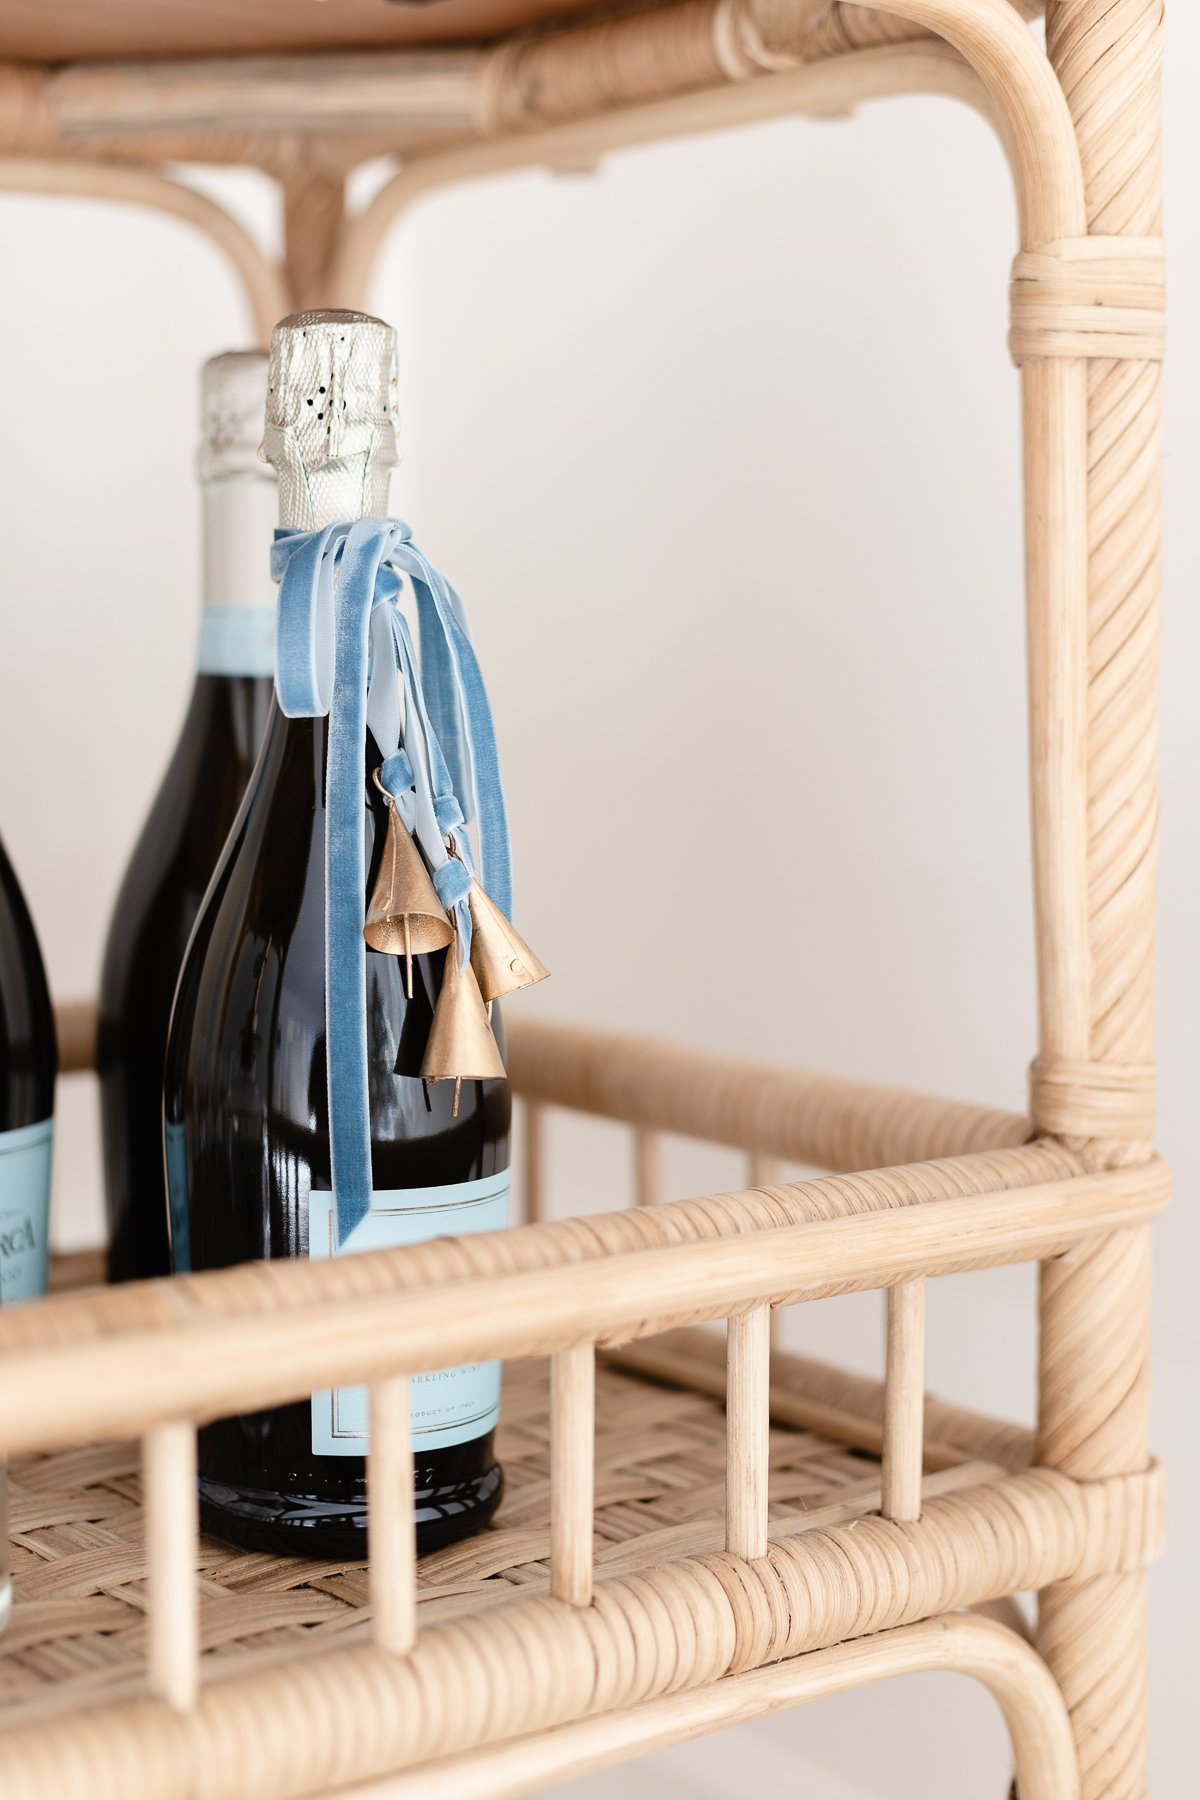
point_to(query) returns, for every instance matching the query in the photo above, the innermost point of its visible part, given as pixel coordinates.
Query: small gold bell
(500, 957)
(404, 915)
(461, 1046)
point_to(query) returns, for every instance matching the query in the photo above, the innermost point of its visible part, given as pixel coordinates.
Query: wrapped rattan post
(572, 1472)
(393, 1539)
(172, 1537)
(1094, 1391)
(904, 1401)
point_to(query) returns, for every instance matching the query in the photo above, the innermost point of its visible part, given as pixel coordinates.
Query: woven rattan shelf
(663, 1563)
(698, 1530)
(80, 1561)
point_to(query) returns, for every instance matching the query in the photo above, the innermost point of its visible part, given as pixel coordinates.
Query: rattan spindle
(765, 1172)
(748, 1421)
(904, 1401)
(572, 1472)
(534, 1144)
(172, 1557)
(647, 1167)
(392, 1530)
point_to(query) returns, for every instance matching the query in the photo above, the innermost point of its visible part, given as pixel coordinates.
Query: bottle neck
(237, 625)
(238, 520)
(355, 487)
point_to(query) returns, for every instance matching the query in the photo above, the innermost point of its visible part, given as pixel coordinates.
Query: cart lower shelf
(78, 1629)
(697, 1529)
(77, 1636)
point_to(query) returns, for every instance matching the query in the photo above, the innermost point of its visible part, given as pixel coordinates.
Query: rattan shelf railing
(699, 1529)
(654, 1545)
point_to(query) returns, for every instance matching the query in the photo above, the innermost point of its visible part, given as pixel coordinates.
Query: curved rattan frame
(262, 284)
(999, 1659)
(1080, 125)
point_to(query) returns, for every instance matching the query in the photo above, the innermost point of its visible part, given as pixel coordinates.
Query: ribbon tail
(345, 881)
(433, 793)
(462, 716)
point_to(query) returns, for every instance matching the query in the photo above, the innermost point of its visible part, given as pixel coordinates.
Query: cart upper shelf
(31, 31)
(154, 81)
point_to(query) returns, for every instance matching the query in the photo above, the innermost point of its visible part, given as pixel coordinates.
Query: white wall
(722, 447)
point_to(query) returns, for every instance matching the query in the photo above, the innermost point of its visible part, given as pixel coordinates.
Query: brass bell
(500, 957)
(404, 915)
(461, 1046)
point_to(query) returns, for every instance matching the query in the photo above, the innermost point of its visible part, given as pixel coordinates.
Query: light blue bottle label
(449, 1406)
(175, 1153)
(237, 640)
(25, 1211)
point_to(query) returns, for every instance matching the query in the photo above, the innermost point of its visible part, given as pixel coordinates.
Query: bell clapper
(408, 957)
(457, 1092)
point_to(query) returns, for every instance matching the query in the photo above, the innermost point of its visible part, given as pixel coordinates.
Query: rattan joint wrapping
(1090, 296)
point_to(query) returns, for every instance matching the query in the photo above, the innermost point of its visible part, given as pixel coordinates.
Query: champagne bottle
(192, 812)
(28, 1065)
(246, 1104)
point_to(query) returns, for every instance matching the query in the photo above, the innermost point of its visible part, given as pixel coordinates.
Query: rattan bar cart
(699, 1530)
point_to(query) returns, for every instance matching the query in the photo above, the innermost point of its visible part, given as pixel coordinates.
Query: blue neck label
(449, 1406)
(237, 640)
(25, 1211)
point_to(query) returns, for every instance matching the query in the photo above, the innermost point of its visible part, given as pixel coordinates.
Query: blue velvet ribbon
(341, 642)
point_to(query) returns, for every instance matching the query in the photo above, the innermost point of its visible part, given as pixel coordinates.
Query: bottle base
(336, 1531)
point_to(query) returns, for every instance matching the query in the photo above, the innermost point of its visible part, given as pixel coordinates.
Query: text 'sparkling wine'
(192, 812)
(28, 1065)
(250, 1068)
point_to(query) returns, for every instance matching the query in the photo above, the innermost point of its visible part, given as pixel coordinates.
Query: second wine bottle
(192, 812)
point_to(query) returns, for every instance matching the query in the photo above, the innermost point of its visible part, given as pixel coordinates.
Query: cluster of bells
(406, 918)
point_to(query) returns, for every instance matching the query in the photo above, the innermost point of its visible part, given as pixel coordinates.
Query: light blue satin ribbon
(340, 640)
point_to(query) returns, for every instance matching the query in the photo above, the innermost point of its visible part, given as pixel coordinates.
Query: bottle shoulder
(182, 837)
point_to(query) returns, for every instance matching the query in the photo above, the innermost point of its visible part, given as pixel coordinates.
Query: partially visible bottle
(192, 812)
(246, 1102)
(5, 1551)
(28, 1066)
(5, 1555)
